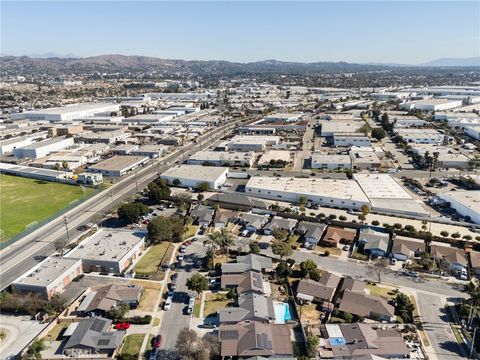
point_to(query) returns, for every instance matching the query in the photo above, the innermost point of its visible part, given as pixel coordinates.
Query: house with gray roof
(246, 263)
(279, 223)
(311, 232)
(251, 307)
(93, 336)
(202, 215)
(318, 291)
(236, 201)
(374, 242)
(249, 281)
(404, 248)
(253, 222)
(367, 306)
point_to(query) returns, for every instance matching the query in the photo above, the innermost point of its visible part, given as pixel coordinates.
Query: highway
(21, 256)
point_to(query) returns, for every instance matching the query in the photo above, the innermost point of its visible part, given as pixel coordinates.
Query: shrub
(375, 222)
(342, 217)
(327, 253)
(444, 233)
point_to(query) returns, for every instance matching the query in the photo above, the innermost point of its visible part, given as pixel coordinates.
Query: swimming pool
(282, 313)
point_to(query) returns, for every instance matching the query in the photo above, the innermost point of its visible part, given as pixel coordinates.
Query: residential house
(337, 235)
(367, 306)
(350, 284)
(361, 341)
(374, 242)
(251, 307)
(101, 300)
(236, 201)
(311, 233)
(475, 261)
(278, 222)
(454, 257)
(202, 215)
(223, 218)
(93, 336)
(406, 248)
(318, 291)
(249, 281)
(253, 222)
(246, 263)
(245, 340)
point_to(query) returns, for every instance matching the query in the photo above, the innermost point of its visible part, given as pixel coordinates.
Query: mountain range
(124, 63)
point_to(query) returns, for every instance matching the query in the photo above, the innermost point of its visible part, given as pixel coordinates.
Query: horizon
(243, 32)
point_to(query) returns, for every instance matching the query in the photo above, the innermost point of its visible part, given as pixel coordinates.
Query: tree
(281, 249)
(312, 345)
(57, 167)
(379, 133)
(61, 245)
(34, 351)
(200, 197)
(349, 173)
(132, 212)
(444, 233)
(385, 118)
(160, 229)
(378, 268)
(280, 234)
(283, 270)
(315, 274)
(302, 200)
(197, 283)
(404, 307)
(182, 200)
(176, 182)
(365, 210)
(117, 313)
(222, 239)
(203, 187)
(55, 305)
(362, 217)
(65, 166)
(158, 192)
(254, 248)
(188, 345)
(456, 235)
(375, 222)
(474, 163)
(307, 266)
(342, 217)
(348, 317)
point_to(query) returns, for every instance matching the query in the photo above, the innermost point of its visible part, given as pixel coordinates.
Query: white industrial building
(364, 159)
(109, 250)
(329, 128)
(351, 139)
(49, 277)
(331, 162)
(43, 148)
(34, 173)
(252, 142)
(194, 175)
(466, 203)
(8, 145)
(152, 151)
(345, 194)
(149, 119)
(118, 165)
(422, 136)
(288, 117)
(106, 137)
(472, 131)
(222, 158)
(448, 158)
(270, 157)
(431, 104)
(68, 112)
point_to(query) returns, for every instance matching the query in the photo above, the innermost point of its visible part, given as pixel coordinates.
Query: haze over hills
(122, 63)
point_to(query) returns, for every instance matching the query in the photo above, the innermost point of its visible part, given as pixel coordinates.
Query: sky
(404, 32)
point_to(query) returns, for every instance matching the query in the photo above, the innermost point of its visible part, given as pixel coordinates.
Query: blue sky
(377, 31)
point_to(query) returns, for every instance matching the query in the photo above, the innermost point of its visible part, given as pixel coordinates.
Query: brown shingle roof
(364, 305)
(451, 254)
(323, 289)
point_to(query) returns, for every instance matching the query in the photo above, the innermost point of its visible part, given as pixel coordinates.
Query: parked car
(157, 341)
(181, 257)
(183, 248)
(410, 273)
(170, 295)
(346, 248)
(168, 304)
(153, 354)
(393, 261)
(122, 326)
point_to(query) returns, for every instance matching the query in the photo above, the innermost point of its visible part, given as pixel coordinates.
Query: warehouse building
(106, 137)
(152, 151)
(68, 112)
(351, 139)
(43, 148)
(34, 173)
(431, 104)
(118, 165)
(330, 162)
(472, 131)
(8, 145)
(466, 203)
(275, 158)
(364, 159)
(109, 250)
(330, 128)
(345, 194)
(288, 117)
(49, 277)
(221, 158)
(422, 136)
(252, 143)
(194, 175)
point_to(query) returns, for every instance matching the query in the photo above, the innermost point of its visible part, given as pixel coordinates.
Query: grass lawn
(333, 250)
(418, 322)
(377, 290)
(214, 302)
(55, 332)
(151, 260)
(132, 344)
(196, 308)
(190, 231)
(26, 201)
(309, 314)
(293, 239)
(336, 320)
(147, 302)
(359, 256)
(156, 322)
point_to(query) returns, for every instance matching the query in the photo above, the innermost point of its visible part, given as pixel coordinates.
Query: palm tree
(65, 167)
(222, 239)
(57, 167)
(473, 290)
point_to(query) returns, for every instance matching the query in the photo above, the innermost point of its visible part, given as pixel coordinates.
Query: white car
(168, 304)
(180, 257)
(183, 249)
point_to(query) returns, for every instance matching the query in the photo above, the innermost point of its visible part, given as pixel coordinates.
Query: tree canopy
(132, 212)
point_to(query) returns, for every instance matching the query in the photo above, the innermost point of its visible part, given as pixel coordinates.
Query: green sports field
(25, 201)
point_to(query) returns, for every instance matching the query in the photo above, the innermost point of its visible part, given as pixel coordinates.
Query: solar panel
(229, 335)
(103, 342)
(263, 341)
(97, 325)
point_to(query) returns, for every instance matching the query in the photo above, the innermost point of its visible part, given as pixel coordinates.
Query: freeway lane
(19, 257)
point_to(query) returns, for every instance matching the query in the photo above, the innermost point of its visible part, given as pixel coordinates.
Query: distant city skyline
(362, 32)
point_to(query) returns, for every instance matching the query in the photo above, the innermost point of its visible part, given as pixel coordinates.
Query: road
(175, 319)
(20, 256)
(443, 343)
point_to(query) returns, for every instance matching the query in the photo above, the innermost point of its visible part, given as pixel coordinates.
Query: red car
(157, 341)
(187, 243)
(122, 326)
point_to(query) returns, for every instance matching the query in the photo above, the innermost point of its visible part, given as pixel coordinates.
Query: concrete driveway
(20, 330)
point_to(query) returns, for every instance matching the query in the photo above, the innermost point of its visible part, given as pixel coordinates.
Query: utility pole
(111, 196)
(136, 181)
(473, 341)
(65, 220)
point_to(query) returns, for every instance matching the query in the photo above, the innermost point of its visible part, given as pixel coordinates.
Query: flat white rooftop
(107, 245)
(470, 199)
(222, 156)
(46, 271)
(330, 159)
(275, 155)
(73, 108)
(381, 186)
(119, 163)
(196, 172)
(333, 188)
(254, 139)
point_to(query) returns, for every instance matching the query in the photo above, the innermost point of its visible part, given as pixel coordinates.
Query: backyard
(214, 302)
(150, 262)
(28, 201)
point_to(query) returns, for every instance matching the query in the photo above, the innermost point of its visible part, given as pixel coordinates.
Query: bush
(332, 216)
(375, 222)
(139, 320)
(327, 253)
(342, 217)
(444, 233)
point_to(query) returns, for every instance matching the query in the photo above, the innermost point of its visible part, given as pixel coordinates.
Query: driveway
(443, 343)
(175, 319)
(19, 330)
